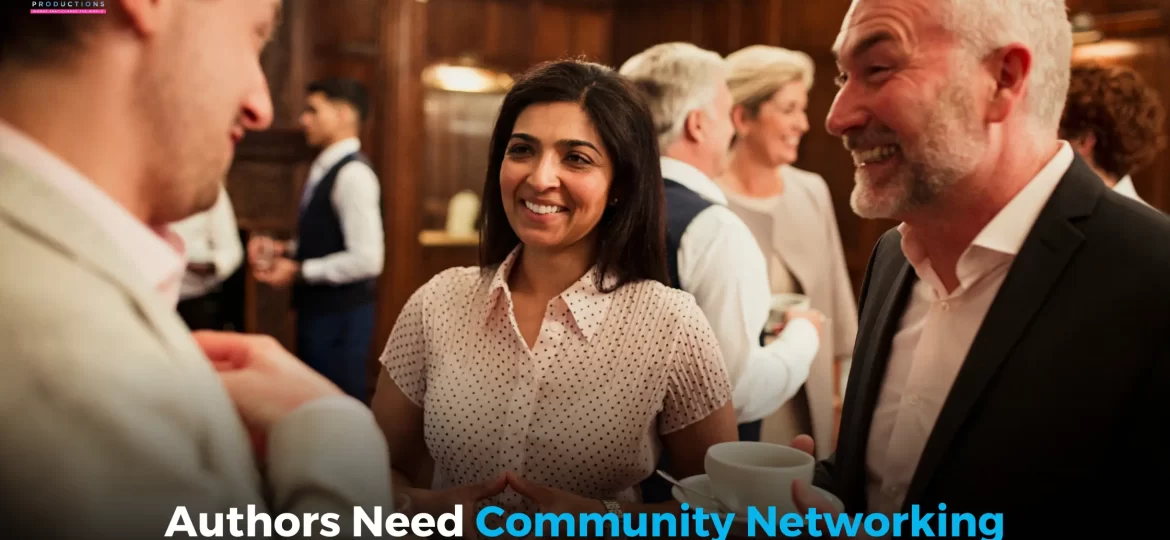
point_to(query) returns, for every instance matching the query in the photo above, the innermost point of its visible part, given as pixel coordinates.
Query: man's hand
(813, 316)
(263, 250)
(803, 494)
(280, 274)
(265, 382)
(552, 500)
(438, 502)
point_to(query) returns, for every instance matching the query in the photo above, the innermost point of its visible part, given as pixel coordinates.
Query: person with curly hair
(1114, 121)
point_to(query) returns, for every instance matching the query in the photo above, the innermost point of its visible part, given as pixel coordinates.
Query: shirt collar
(585, 301)
(157, 253)
(1009, 228)
(692, 179)
(334, 152)
(1006, 232)
(1125, 187)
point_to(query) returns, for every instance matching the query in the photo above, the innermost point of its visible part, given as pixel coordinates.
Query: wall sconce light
(465, 75)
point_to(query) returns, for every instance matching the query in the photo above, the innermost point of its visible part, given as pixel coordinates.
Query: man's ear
(695, 126)
(1010, 67)
(147, 16)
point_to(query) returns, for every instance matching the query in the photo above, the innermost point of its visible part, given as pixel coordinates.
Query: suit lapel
(1040, 263)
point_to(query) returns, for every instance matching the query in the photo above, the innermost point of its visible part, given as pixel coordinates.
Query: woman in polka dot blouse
(552, 376)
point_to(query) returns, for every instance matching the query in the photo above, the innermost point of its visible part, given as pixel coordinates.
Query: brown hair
(1120, 110)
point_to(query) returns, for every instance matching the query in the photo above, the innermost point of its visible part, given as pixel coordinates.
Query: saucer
(702, 483)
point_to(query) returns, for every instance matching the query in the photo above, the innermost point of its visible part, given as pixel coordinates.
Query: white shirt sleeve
(720, 264)
(357, 202)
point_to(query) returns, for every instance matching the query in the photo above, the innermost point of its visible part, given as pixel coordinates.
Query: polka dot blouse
(583, 410)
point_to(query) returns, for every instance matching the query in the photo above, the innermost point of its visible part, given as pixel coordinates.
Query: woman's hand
(425, 501)
(551, 500)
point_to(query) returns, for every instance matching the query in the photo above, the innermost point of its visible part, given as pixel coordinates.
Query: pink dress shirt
(936, 331)
(583, 410)
(157, 252)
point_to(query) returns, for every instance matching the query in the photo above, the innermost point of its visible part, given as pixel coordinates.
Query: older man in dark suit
(1000, 365)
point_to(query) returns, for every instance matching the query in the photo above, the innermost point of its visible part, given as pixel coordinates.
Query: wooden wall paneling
(551, 32)
(640, 25)
(403, 46)
(592, 29)
(458, 27)
(347, 21)
(508, 34)
(562, 30)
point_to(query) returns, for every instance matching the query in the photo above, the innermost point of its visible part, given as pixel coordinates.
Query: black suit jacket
(1061, 409)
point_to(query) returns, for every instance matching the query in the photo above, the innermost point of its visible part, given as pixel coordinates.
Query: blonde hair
(759, 71)
(677, 78)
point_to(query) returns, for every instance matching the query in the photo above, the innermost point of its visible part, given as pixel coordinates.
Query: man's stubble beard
(948, 150)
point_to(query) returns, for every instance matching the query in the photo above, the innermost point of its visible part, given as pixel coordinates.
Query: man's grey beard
(947, 151)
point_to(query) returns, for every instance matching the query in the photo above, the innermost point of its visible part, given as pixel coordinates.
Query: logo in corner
(68, 7)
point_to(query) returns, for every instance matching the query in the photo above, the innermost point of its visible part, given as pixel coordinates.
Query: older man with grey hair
(1000, 367)
(711, 252)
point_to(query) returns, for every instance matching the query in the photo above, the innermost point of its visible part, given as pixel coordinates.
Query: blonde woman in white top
(790, 212)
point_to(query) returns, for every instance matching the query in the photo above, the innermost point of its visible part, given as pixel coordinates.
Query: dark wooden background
(387, 43)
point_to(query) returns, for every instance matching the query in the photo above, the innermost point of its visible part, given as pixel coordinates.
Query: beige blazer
(801, 230)
(111, 416)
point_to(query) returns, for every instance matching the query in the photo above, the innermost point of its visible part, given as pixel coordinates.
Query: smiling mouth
(544, 209)
(878, 154)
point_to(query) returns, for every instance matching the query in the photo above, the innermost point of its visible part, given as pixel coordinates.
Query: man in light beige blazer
(112, 414)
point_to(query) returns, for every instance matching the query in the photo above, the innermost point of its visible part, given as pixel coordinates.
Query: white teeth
(542, 209)
(873, 155)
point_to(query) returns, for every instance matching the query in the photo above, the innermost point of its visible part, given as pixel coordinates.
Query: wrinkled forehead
(901, 21)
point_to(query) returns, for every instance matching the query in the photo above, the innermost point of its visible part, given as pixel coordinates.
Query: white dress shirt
(211, 237)
(935, 333)
(1125, 187)
(357, 203)
(721, 265)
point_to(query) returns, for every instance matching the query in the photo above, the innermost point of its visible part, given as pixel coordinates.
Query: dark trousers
(656, 490)
(337, 345)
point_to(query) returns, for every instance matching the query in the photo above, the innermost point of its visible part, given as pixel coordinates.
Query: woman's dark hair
(631, 235)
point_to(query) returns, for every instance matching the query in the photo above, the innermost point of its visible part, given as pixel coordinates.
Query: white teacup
(748, 473)
(781, 303)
